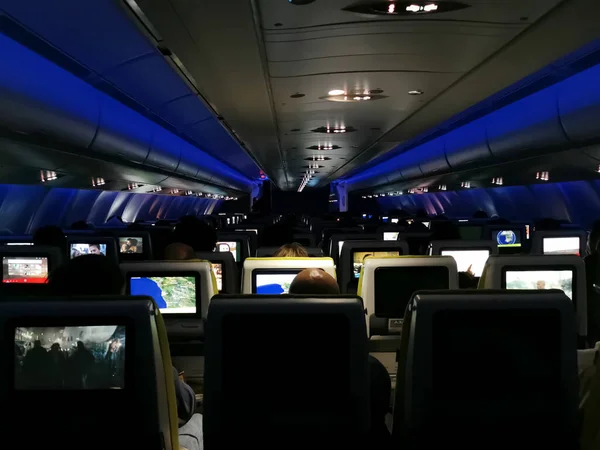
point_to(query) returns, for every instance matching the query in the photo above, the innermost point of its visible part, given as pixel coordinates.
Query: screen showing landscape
(173, 295)
(561, 245)
(274, 283)
(541, 279)
(469, 260)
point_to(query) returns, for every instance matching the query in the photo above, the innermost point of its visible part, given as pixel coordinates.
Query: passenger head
(80, 225)
(444, 230)
(594, 237)
(541, 284)
(179, 252)
(87, 275)
(314, 282)
(293, 250)
(277, 235)
(196, 233)
(51, 236)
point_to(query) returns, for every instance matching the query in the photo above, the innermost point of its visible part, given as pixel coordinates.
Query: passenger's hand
(470, 272)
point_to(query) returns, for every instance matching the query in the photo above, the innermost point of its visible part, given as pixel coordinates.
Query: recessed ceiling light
(415, 92)
(336, 92)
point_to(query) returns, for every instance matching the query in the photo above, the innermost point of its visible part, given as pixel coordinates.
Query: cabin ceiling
(249, 57)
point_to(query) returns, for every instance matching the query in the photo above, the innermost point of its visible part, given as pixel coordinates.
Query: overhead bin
(579, 105)
(39, 97)
(561, 116)
(528, 127)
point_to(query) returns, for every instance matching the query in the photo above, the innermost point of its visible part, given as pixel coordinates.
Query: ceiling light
(98, 182)
(47, 175)
(543, 176)
(465, 184)
(391, 8)
(413, 8)
(431, 7)
(442, 187)
(336, 92)
(415, 92)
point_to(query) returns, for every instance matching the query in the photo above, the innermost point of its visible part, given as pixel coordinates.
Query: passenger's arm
(186, 399)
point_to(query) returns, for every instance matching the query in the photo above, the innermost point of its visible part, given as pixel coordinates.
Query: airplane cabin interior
(368, 224)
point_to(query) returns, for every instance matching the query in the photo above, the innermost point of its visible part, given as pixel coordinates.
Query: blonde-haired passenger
(293, 250)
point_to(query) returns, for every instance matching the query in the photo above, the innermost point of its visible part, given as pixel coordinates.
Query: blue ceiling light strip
(559, 115)
(38, 97)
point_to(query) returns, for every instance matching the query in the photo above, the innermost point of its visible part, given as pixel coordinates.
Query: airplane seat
(265, 252)
(285, 369)
(490, 369)
(25, 269)
(387, 284)
(274, 275)
(182, 291)
(225, 270)
(99, 367)
(352, 257)
(565, 272)
(559, 242)
(590, 403)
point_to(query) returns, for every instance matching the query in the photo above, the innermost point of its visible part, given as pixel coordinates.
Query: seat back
(278, 272)
(494, 368)
(285, 367)
(225, 269)
(91, 360)
(387, 285)
(590, 432)
(181, 289)
(566, 272)
(559, 242)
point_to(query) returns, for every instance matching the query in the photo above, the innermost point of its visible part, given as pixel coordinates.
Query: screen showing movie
(507, 238)
(390, 235)
(274, 283)
(131, 245)
(358, 259)
(561, 245)
(218, 271)
(172, 294)
(232, 247)
(469, 260)
(81, 249)
(516, 348)
(541, 279)
(394, 286)
(470, 232)
(25, 269)
(70, 357)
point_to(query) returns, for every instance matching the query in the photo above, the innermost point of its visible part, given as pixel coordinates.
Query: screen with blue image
(273, 283)
(172, 294)
(507, 238)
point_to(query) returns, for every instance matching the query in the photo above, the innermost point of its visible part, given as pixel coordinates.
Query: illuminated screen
(18, 243)
(426, 224)
(561, 246)
(540, 279)
(25, 269)
(394, 286)
(469, 260)
(73, 357)
(384, 219)
(232, 247)
(390, 235)
(316, 365)
(87, 249)
(358, 259)
(507, 238)
(470, 233)
(395, 220)
(516, 348)
(273, 283)
(218, 271)
(172, 294)
(131, 245)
